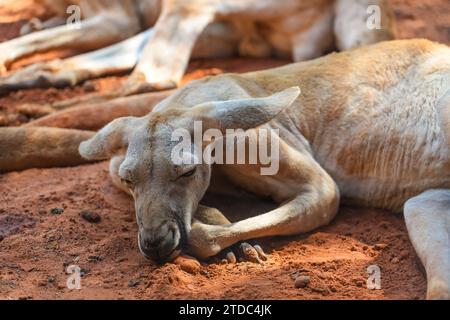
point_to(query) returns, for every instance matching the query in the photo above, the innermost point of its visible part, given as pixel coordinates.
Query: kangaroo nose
(149, 249)
(159, 249)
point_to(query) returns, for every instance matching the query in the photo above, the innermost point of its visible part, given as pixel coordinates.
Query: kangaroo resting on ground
(371, 127)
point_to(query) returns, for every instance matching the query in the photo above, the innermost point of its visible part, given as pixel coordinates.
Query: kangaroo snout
(163, 244)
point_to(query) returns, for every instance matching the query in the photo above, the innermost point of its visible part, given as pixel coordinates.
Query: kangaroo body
(370, 127)
(373, 126)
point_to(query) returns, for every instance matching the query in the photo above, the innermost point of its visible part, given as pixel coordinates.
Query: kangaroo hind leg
(427, 218)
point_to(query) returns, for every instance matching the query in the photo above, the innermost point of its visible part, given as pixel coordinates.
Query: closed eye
(189, 173)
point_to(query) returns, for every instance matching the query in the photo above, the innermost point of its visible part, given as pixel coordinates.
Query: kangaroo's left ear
(109, 140)
(244, 113)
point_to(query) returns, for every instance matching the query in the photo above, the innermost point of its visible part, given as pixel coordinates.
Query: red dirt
(37, 245)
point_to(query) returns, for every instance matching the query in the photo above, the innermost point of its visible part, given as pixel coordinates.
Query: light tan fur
(368, 128)
(180, 29)
(23, 148)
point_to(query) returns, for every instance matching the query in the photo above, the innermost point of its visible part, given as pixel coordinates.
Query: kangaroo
(371, 127)
(158, 37)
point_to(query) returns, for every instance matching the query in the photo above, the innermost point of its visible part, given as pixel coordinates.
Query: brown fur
(95, 116)
(23, 148)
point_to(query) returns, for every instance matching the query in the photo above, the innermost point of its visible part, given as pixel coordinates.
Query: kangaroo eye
(189, 173)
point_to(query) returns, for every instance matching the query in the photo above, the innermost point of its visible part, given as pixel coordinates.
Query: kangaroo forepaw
(244, 251)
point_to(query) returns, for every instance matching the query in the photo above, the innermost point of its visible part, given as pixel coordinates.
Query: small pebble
(133, 283)
(84, 271)
(91, 217)
(94, 258)
(205, 273)
(359, 282)
(380, 246)
(302, 281)
(56, 211)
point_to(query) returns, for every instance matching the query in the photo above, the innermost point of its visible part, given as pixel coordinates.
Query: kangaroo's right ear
(244, 113)
(109, 140)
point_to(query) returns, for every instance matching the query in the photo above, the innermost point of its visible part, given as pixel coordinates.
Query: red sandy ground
(36, 246)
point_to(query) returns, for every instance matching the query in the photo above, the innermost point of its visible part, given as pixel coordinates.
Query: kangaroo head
(167, 192)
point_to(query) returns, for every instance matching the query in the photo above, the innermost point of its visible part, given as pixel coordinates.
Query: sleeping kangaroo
(371, 127)
(158, 37)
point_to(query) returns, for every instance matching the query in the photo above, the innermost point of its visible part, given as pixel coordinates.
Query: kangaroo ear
(109, 140)
(245, 113)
